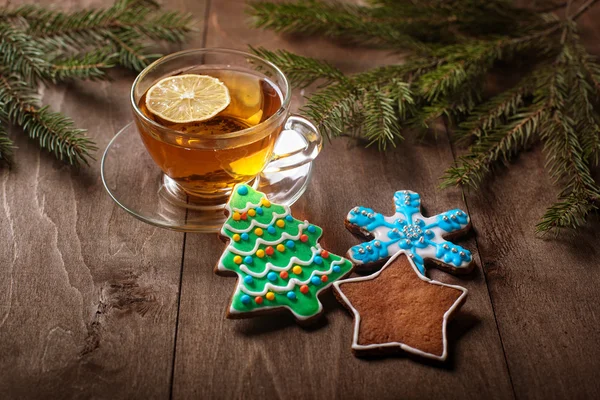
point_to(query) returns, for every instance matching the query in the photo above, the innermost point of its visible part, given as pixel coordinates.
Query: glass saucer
(136, 184)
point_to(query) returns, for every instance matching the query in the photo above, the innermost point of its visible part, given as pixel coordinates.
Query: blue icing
(409, 231)
(369, 252)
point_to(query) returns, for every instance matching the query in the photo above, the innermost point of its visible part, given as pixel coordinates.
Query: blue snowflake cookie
(422, 238)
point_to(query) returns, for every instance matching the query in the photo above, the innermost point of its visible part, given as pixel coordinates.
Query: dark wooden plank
(272, 357)
(543, 289)
(88, 294)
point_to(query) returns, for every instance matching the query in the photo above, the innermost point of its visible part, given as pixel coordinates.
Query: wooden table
(96, 304)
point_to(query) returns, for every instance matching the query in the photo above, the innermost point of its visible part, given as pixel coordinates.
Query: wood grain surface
(96, 304)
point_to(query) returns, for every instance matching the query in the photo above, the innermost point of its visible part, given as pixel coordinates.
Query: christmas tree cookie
(277, 258)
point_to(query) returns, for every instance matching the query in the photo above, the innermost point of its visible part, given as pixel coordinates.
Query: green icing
(304, 305)
(301, 251)
(264, 219)
(237, 201)
(291, 228)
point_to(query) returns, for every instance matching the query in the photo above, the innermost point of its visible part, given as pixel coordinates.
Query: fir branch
(335, 109)
(570, 212)
(125, 25)
(500, 144)
(131, 54)
(301, 71)
(91, 65)
(381, 122)
(18, 50)
(54, 131)
(494, 112)
(334, 20)
(6, 145)
(454, 46)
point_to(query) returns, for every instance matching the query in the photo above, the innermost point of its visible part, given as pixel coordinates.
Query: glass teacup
(202, 161)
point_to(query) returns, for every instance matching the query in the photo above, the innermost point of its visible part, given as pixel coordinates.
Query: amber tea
(202, 170)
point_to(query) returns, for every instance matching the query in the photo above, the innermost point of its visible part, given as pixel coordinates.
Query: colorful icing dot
(244, 236)
(236, 237)
(324, 254)
(318, 260)
(291, 295)
(248, 260)
(260, 253)
(258, 231)
(315, 280)
(270, 296)
(311, 229)
(272, 276)
(269, 250)
(237, 259)
(280, 223)
(290, 244)
(336, 268)
(245, 299)
(304, 289)
(297, 270)
(258, 300)
(252, 212)
(280, 247)
(248, 280)
(289, 218)
(265, 203)
(324, 278)
(244, 216)
(242, 190)
(271, 229)
(236, 216)
(283, 274)
(259, 210)
(303, 238)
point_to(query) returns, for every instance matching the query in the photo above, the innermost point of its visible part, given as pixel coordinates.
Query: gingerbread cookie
(277, 258)
(422, 238)
(399, 309)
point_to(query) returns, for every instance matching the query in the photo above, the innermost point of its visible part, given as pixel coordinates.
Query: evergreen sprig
(453, 47)
(39, 45)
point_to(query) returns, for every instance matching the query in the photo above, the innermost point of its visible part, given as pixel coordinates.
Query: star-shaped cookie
(397, 308)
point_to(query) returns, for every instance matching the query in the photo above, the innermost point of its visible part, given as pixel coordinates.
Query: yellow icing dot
(252, 212)
(237, 259)
(297, 270)
(280, 223)
(270, 296)
(260, 253)
(280, 247)
(265, 203)
(236, 237)
(236, 216)
(258, 232)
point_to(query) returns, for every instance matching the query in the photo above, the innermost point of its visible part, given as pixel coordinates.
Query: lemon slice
(187, 98)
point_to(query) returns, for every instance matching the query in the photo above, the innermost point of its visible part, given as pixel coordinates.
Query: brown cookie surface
(398, 309)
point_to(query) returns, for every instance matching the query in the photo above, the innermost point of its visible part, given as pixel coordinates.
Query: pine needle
(452, 48)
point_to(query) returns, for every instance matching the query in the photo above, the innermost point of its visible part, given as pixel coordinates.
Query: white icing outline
(260, 240)
(270, 267)
(402, 346)
(291, 283)
(380, 233)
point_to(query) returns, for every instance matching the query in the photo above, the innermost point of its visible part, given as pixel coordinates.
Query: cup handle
(299, 143)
